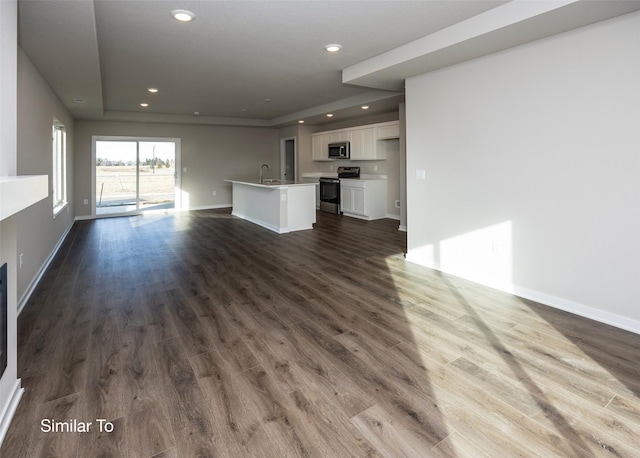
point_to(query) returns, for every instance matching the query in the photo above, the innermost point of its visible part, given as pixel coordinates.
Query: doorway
(132, 175)
(288, 168)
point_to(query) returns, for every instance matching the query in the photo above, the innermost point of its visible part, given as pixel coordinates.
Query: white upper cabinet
(339, 136)
(388, 131)
(363, 144)
(320, 147)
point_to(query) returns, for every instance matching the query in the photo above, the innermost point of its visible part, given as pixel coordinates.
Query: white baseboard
(576, 308)
(402, 228)
(586, 311)
(10, 409)
(393, 216)
(32, 286)
(203, 207)
(209, 207)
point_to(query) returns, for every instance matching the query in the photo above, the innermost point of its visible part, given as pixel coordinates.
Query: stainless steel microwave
(339, 150)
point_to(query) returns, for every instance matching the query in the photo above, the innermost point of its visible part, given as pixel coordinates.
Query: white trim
(10, 409)
(402, 228)
(576, 308)
(209, 207)
(583, 310)
(59, 208)
(166, 210)
(393, 216)
(32, 286)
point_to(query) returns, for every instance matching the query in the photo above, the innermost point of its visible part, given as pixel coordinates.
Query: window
(59, 167)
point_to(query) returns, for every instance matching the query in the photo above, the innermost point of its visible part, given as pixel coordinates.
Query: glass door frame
(138, 140)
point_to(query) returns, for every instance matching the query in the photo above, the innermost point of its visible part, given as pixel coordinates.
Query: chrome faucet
(261, 170)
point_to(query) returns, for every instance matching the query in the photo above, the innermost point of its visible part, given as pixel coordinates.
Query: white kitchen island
(281, 206)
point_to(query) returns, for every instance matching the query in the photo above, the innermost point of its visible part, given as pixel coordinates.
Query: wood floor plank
(189, 414)
(68, 373)
(104, 381)
(191, 331)
(53, 441)
(105, 442)
(159, 321)
(387, 436)
(456, 445)
(147, 421)
(218, 322)
(232, 424)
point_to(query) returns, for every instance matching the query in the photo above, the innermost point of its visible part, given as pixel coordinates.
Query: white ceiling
(236, 54)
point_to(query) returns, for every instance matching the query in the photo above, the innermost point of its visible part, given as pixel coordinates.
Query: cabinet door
(369, 144)
(387, 132)
(357, 144)
(363, 144)
(346, 199)
(319, 147)
(339, 137)
(358, 198)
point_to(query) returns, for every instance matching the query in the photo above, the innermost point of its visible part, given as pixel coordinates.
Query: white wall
(38, 232)
(211, 154)
(532, 160)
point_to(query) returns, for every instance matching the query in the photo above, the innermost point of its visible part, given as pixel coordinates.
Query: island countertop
(271, 183)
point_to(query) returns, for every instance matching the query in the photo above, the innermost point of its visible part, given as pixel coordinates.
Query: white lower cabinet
(364, 199)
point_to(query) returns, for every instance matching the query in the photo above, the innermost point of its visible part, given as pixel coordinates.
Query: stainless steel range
(330, 189)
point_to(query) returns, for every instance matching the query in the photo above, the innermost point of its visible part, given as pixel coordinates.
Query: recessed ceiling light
(301, 121)
(365, 107)
(329, 115)
(153, 90)
(183, 15)
(196, 113)
(79, 100)
(334, 47)
(267, 100)
(144, 104)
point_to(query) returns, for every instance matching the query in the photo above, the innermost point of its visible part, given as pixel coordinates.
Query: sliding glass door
(134, 175)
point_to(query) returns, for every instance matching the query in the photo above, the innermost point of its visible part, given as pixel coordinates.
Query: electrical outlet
(375, 168)
(397, 203)
(184, 170)
(21, 260)
(214, 193)
(86, 201)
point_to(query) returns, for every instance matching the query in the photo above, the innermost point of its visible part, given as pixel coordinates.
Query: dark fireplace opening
(4, 338)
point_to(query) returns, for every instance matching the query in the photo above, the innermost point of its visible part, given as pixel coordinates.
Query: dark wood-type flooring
(199, 334)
